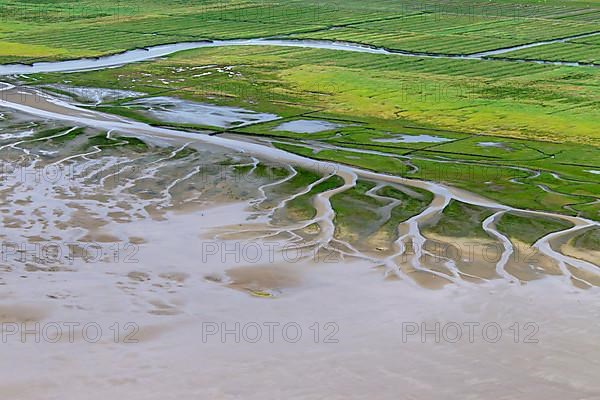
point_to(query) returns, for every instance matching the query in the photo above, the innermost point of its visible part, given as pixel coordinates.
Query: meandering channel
(148, 53)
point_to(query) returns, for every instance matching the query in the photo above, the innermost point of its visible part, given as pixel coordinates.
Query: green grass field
(48, 30)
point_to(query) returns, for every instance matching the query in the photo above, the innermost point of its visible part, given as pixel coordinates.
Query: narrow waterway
(148, 53)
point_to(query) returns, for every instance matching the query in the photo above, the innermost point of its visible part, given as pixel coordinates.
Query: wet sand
(370, 357)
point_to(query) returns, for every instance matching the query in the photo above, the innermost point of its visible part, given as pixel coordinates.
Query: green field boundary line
(176, 32)
(340, 119)
(549, 41)
(368, 21)
(375, 146)
(548, 155)
(154, 34)
(438, 130)
(578, 13)
(579, 165)
(424, 149)
(583, 105)
(528, 139)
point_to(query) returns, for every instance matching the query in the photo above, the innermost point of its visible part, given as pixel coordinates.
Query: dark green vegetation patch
(528, 229)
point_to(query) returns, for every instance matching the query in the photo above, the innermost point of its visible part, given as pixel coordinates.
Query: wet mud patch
(23, 313)
(263, 281)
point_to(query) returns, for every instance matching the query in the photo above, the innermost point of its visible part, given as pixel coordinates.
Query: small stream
(148, 53)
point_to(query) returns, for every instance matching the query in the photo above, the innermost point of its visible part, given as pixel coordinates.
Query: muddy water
(96, 95)
(413, 139)
(170, 109)
(307, 126)
(169, 276)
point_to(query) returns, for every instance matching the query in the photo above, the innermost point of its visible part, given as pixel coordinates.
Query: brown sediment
(568, 246)
(435, 278)
(21, 313)
(137, 240)
(120, 217)
(144, 333)
(240, 232)
(588, 277)
(30, 267)
(99, 237)
(433, 264)
(178, 277)
(591, 256)
(309, 232)
(162, 308)
(426, 279)
(527, 264)
(471, 256)
(381, 245)
(138, 276)
(268, 279)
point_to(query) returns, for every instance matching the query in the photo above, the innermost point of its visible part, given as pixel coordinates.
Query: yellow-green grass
(539, 102)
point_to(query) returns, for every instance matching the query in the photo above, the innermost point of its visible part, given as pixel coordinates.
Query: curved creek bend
(152, 52)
